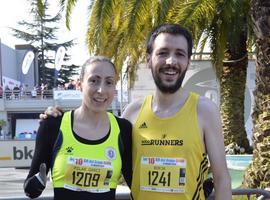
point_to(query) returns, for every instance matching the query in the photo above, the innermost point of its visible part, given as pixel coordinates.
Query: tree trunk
(258, 173)
(232, 91)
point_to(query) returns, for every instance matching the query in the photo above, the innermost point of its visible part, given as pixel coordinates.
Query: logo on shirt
(143, 125)
(162, 142)
(69, 150)
(110, 153)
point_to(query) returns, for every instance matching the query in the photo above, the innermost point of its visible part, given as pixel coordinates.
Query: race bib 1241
(159, 174)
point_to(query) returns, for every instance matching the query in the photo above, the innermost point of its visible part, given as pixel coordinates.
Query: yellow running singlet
(169, 160)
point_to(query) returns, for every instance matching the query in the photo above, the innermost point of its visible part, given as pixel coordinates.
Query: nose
(171, 60)
(101, 88)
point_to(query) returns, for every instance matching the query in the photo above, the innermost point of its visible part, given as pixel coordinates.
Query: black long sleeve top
(47, 137)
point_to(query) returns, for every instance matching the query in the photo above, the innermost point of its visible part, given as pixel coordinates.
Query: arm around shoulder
(131, 111)
(210, 122)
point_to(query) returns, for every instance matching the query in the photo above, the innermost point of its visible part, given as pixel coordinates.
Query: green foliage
(118, 28)
(66, 73)
(2, 123)
(41, 33)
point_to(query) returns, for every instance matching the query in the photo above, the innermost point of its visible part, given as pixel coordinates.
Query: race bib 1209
(88, 175)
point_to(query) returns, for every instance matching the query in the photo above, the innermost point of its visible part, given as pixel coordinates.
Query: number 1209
(85, 179)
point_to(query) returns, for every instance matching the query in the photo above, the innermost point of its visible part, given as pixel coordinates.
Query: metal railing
(18, 95)
(260, 194)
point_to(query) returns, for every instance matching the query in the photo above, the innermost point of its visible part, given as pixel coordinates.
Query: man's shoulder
(132, 110)
(206, 105)
(135, 105)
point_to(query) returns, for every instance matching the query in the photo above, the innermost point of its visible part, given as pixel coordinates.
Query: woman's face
(98, 86)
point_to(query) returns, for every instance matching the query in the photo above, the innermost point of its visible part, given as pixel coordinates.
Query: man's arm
(131, 111)
(210, 123)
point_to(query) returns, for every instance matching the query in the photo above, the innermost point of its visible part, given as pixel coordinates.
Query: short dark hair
(94, 59)
(174, 29)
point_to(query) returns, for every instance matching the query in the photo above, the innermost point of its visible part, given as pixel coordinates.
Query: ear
(148, 59)
(189, 61)
(79, 82)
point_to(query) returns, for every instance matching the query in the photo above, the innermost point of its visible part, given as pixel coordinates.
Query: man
(174, 129)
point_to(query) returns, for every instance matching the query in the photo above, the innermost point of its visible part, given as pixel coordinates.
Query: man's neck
(166, 104)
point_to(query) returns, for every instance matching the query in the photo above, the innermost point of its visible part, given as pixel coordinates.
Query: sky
(12, 11)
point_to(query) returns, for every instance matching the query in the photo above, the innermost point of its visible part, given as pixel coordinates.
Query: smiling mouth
(100, 100)
(169, 72)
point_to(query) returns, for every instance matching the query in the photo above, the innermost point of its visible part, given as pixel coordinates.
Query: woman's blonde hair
(94, 59)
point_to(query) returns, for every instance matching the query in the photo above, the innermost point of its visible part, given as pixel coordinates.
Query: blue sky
(12, 11)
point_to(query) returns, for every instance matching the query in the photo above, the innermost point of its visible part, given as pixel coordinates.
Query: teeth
(99, 99)
(170, 72)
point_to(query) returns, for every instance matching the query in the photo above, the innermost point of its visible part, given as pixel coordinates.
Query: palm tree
(258, 173)
(117, 28)
(231, 47)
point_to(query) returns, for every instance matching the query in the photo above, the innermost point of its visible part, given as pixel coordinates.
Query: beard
(168, 89)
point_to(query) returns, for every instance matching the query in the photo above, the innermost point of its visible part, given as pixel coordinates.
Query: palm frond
(137, 13)
(195, 15)
(40, 7)
(69, 8)
(161, 10)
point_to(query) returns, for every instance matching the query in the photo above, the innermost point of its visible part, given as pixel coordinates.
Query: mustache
(163, 69)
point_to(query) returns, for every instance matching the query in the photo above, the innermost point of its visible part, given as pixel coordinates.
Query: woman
(87, 148)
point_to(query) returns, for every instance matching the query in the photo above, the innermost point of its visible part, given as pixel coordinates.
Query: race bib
(88, 175)
(163, 174)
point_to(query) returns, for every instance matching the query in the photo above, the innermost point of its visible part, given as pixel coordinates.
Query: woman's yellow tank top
(169, 160)
(84, 167)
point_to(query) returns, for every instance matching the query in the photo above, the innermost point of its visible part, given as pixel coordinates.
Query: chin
(99, 110)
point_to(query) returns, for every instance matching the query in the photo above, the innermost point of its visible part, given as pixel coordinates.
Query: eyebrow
(165, 48)
(99, 77)
(109, 77)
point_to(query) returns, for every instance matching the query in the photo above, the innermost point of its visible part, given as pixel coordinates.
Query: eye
(162, 53)
(180, 54)
(93, 81)
(110, 82)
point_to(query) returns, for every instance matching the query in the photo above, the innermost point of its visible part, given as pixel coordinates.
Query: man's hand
(51, 111)
(41, 176)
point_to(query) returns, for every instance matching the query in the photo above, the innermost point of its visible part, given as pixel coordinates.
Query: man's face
(169, 61)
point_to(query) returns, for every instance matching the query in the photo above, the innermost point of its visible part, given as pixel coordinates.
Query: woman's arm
(36, 179)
